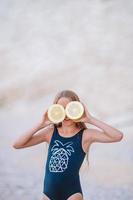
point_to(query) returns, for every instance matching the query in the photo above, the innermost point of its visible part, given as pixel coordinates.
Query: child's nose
(66, 117)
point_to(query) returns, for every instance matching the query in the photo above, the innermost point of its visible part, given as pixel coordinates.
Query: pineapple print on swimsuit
(64, 159)
(60, 156)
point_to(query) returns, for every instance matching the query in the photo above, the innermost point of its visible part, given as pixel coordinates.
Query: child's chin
(67, 121)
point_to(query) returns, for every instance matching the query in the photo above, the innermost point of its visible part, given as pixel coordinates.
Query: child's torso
(65, 155)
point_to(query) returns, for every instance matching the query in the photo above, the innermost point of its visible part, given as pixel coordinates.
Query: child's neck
(68, 129)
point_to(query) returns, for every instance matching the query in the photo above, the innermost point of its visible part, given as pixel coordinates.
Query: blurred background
(49, 46)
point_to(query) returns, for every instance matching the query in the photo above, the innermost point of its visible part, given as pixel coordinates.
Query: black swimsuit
(65, 157)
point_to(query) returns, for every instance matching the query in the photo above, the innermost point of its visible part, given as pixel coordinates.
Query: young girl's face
(64, 101)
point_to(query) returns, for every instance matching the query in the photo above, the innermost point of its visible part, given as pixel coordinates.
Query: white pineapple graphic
(60, 156)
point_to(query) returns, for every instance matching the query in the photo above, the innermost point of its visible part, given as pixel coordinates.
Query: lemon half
(74, 110)
(56, 113)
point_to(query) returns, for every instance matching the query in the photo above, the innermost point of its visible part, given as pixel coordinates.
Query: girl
(69, 142)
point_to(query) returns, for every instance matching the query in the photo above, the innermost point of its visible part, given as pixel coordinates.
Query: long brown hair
(73, 97)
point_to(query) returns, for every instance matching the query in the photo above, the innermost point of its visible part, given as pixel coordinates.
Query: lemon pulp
(74, 110)
(56, 113)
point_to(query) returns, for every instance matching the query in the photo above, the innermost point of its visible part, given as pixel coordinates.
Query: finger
(84, 105)
(46, 112)
(86, 110)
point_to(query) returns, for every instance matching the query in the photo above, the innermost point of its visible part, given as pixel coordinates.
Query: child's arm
(108, 133)
(35, 135)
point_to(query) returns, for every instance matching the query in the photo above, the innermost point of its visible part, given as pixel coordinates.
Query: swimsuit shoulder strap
(54, 134)
(80, 136)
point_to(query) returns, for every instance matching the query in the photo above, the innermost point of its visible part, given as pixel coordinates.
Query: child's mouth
(67, 119)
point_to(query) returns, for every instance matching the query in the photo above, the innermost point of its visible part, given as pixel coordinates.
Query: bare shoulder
(86, 141)
(49, 130)
(87, 134)
(90, 131)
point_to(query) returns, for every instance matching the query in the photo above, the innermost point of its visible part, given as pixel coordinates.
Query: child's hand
(45, 120)
(86, 116)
